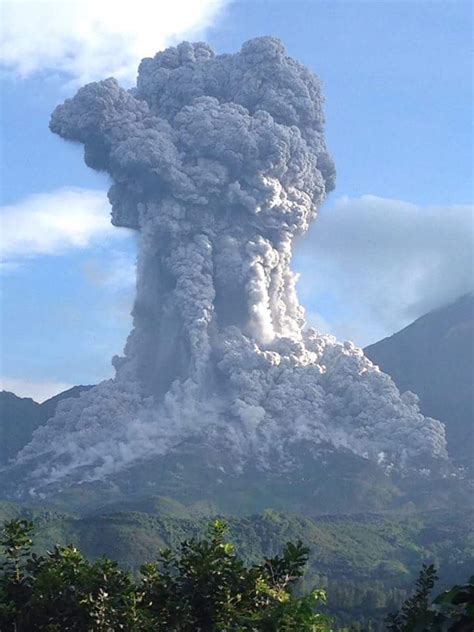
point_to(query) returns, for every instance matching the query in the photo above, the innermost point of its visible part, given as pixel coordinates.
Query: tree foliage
(203, 586)
(451, 611)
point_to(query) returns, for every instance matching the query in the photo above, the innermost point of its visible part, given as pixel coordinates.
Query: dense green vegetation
(366, 563)
(451, 611)
(203, 586)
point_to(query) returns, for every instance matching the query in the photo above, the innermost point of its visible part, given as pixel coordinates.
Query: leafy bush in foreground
(204, 587)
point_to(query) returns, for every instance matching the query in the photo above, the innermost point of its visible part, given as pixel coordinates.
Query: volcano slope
(434, 358)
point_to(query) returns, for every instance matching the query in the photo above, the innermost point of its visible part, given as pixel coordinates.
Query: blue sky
(393, 240)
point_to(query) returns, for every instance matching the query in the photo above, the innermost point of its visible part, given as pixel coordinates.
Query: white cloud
(37, 390)
(372, 265)
(54, 223)
(94, 39)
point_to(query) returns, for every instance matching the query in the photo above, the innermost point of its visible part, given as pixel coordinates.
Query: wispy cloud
(37, 390)
(115, 274)
(93, 39)
(372, 265)
(117, 271)
(54, 223)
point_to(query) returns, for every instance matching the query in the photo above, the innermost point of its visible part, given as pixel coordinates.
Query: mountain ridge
(21, 416)
(434, 358)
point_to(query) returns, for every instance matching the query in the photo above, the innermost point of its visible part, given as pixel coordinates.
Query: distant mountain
(48, 407)
(434, 358)
(20, 416)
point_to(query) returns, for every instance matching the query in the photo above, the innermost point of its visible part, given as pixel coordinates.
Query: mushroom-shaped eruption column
(219, 162)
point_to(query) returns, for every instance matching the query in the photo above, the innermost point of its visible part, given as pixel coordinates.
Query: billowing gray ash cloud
(219, 162)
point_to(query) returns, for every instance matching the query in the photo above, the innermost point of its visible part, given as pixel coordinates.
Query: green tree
(451, 611)
(15, 582)
(204, 586)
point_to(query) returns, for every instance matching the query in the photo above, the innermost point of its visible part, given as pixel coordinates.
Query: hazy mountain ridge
(434, 358)
(261, 534)
(20, 416)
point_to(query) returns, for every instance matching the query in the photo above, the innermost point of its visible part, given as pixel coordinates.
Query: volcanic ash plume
(219, 162)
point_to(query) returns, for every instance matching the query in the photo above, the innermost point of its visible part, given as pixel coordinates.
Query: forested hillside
(368, 563)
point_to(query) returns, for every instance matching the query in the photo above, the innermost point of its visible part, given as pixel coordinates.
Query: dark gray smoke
(220, 162)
